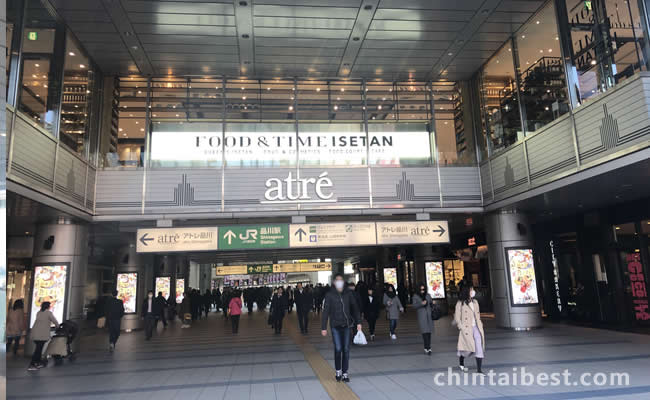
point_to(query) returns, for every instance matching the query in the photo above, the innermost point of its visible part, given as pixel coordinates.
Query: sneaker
(338, 376)
(32, 368)
(372, 338)
(40, 365)
(393, 336)
(463, 368)
(346, 378)
(480, 373)
(111, 347)
(428, 352)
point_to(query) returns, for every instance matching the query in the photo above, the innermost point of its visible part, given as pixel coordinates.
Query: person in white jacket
(41, 334)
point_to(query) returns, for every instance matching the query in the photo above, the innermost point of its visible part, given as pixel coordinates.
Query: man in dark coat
(279, 306)
(371, 310)
(114, 311)
(151, 310)
(304, 303)
(163, 305)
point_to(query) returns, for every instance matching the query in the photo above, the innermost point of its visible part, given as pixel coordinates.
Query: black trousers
(38, 351)
(113, 330)
(15, 340)
(149, 325)
(234, 319)
(372, 322)
(303, 320)
(427, 340)
(278, 324)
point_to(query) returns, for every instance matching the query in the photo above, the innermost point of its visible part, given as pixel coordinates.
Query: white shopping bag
(360, 339)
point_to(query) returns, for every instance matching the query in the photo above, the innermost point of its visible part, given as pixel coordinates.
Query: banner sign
(163, 284)
(279, 148)
(521, 274)
(390, 276)
(235, 237)
(162, 240)
(332, 235)
(412, 232)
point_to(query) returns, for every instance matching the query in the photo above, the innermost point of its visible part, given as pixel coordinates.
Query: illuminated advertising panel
(127, 290)
(163, 284)
(180, 290)
(390, 276)
(521, 274)
(435, 279)
(49, 285)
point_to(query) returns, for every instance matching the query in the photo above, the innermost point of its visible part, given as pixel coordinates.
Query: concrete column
(508, 229)
(128, 260)
(68, 243)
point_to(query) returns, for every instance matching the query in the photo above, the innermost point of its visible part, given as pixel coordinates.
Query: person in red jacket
(234, 309)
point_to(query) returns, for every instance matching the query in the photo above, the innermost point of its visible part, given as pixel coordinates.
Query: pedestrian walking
(114, 313)
(151, 310)
(422, 303)
(471, 337)
(342, 311)
(40, 334)
(279, 306)
(393, 308)
(163, 309)
(234, 308)
(16, 325)
(371, 311)
(304, 304)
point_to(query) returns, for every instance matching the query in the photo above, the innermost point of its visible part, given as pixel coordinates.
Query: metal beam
(357, 36)
(120, 20)
(245, 37)
(464, 36)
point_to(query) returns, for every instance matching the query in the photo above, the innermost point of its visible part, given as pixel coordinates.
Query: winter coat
(235, 306)
(304, 300)
(279, 306)
(424, 313)
(41, 328)
(341, 309)
(463, 318)
(392, 309)
(371, 309)
(156, 307)
(114, 309)
(15, 323)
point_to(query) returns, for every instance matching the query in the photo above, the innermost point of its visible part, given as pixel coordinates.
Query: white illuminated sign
(290, 189)
(279, 148)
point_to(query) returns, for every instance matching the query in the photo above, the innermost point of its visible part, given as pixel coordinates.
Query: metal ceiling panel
(429, 26)
(299, 42)
(184, 50)
(528, 6)
(306, 12)
(180, 7)
(422, 15)
(404, 44)
(159, 29)
(289, 22)
(302, 33)
(298, 51)
(401, 53)
(183, 19)
(411, 35)
(471, 5)
(194, 40)
(94, 27)
(156, 57)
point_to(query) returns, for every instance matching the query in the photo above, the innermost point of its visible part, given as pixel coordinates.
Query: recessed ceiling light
(367, 7)
(356, 38)
(141, 129)
(336, 108)
(450, 53)
(71, 54)
(37, 65)
(82, 66)
(243, 98)
(290, 108)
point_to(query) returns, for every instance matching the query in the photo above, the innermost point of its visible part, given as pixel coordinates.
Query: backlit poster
(390, 276)
(127, 290)
(163, 284)
(180, 290)
(435, 279)
(49, 285)
(521, 269)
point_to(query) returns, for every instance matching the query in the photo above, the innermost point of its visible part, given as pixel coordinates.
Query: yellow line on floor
(324, 372)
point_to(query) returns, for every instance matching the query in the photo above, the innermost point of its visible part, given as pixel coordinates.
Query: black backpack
(436, 312)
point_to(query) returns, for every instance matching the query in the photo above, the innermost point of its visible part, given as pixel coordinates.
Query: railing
(615, 124)
(37, 160)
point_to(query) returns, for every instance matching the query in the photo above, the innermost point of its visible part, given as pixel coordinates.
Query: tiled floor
(208, 362)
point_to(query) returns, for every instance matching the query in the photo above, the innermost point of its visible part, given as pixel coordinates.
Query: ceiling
(387, 39)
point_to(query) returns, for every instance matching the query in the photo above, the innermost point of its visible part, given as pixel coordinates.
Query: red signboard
(637, 284)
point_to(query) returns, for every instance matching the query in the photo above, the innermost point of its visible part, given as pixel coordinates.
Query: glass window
(313, 100)
(242, 100)
(276, 100)
(500, 107)
(453, 127)
(541, 70)
(76, 102)
(13, 13)
(607, 41)
(381, 98)
(40, 89)
(346, 101)
(413, 101)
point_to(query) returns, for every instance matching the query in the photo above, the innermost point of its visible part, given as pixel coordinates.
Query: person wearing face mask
(371, 311)
(304, 303)
(471, 337)
(279, 306)
(422, 304)
(393, 308)
(342, 311)
(151, 311)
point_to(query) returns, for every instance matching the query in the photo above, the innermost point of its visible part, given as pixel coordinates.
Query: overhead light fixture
(367, 7)
(71, 54)
(82, 66)
(450, 53)
(537, 22)
(594, 62)
(318, 89)
(336, 107)
(356, 38)
(37, 65)
(243, 97)
(290, 108)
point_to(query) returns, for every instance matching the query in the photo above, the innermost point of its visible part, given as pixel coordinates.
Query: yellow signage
(286, 268)
(312, 267)
(232, 270)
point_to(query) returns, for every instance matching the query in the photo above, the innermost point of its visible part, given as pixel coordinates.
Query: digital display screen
(127, 290)
(49, 285)
(521, 268)
(163, 284)
(180, 290)
(435, 280)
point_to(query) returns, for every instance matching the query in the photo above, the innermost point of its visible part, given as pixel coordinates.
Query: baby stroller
(59, 346)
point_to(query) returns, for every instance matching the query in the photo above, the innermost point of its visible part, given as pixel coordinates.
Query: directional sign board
(412, 232)
(302, 267)
(162, 240)
(332, 235)
(237, 237)
(231, 270)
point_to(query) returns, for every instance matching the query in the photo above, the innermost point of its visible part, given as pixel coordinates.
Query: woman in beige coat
(41, 334)
(471, 338)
